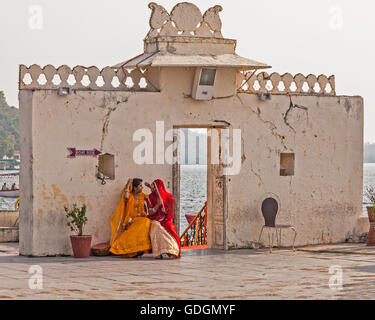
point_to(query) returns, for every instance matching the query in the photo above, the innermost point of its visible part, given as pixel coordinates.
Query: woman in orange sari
(164, 238)
(130, 226)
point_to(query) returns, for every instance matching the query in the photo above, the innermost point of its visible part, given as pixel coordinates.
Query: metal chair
(270, 208)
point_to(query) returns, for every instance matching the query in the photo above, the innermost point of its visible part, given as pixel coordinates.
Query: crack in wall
(293, 106)
(347, 106)
(243, 158)
(225, 97)
(222, 121)
(189, 96)
(256, 174)
(107, 117)
(270, 124)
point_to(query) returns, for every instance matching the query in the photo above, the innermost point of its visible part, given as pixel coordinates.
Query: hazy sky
(320, 36)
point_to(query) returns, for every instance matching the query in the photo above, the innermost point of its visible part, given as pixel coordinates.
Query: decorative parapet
(82, 78)
(185, 20)
(287, 84)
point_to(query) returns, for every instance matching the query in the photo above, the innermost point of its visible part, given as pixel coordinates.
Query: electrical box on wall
(204, 82)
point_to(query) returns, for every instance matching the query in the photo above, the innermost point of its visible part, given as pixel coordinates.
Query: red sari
(164, 217)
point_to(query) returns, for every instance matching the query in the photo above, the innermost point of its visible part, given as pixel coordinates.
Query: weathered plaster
(323, 200)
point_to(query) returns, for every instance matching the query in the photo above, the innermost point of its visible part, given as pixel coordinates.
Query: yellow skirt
(135, 239)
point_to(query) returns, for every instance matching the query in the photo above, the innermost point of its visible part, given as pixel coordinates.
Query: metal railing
(196, 233)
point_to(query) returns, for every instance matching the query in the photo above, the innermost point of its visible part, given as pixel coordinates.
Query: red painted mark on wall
(74, 152)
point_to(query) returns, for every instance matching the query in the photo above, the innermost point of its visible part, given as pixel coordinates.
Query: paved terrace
(200, 274)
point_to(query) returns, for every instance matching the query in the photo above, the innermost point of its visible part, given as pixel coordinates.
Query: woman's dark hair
(136, 182)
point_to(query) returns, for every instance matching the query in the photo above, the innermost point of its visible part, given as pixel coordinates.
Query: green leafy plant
(370, 195)
(76, 218)
(9, 128)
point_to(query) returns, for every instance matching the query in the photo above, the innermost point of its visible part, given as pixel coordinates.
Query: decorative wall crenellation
(251, 82)
(82, 78)
(120, 79)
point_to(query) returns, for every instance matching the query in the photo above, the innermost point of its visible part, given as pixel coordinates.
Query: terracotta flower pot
(81, 246)
(371, 234)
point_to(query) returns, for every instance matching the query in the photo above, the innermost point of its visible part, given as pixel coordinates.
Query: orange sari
(136, 237)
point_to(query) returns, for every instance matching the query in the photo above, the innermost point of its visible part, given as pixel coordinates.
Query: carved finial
(212, 17)
(184, 20)
(187, 17)
(159, 15)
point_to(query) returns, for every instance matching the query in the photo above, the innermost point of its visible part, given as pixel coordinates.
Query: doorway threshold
(204, 246)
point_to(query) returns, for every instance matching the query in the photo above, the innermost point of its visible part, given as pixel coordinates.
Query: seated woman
(130, 227)
(164, 238)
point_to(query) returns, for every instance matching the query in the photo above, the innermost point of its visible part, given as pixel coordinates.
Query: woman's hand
(126, 226)
(159, 202)
(126, 194)
(148, 185)
(130, 181)
(127, 189)
(155, 209)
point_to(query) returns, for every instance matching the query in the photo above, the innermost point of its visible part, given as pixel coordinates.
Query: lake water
(193, 189)
(8, 203)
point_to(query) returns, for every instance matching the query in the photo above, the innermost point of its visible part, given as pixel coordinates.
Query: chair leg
(295, 236)
(269, 240)
(260, 236)
(277, 238)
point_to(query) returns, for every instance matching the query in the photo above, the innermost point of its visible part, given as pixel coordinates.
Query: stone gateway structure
(299, 141)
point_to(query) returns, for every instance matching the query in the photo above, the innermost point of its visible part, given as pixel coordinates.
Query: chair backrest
(270, 207)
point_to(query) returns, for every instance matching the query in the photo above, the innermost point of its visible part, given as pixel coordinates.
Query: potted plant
(370, 195)
(81, 244)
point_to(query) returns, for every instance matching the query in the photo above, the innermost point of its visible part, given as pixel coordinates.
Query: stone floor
(199, 274)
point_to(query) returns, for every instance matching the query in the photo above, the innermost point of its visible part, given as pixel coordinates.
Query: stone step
(9, 234)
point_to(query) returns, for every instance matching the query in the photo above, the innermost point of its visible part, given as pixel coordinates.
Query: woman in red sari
(164, 238)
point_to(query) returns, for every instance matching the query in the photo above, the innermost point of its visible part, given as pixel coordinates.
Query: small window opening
(287, 164)
(107, 166)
